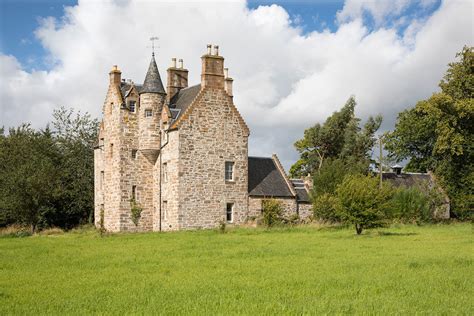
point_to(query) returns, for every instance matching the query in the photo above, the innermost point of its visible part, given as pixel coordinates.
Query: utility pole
(380, 159)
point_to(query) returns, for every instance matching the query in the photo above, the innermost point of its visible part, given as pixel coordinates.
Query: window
(134, 192)
(165, 172)
(229, 171)
(131, 106)
(148, 113)
(164, 210)
(102, 179)
(229, 212)
(111, 150)
(134, 154)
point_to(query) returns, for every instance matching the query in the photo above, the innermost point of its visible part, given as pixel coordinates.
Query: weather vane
(153, 39)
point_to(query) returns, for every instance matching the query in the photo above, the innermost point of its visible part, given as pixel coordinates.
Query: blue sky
(293, 64)
(20, 18)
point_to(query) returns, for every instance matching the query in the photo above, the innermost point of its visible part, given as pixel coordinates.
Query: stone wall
(255, 207)
(170, 186)
(211, 134)
(305, 211)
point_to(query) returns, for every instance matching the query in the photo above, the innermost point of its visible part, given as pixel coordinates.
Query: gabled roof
(265, 179)
(126, 87)
(182, 100)
(405, 179)
(153, 83)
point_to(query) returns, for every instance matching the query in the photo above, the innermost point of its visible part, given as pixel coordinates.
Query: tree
(438, 133)
(29, 177)
(47, 176)
(361, 202)
(75, 135)
(340, 137)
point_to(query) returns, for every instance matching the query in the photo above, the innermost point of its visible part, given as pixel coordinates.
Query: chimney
(177, 78)
(228, 82)
(115, 75)
(212, 74)
(397, 169)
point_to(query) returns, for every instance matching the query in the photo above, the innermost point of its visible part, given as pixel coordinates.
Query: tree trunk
(358, 229)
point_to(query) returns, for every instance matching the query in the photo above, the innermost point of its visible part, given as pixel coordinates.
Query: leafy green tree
(340, 137)
(75, 135)
(325, 208)
(361, 202)
(438, 135)
(29, 176)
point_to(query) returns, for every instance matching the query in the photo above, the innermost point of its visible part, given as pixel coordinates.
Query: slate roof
(182, 100)
(405, 179)
(153, 83)
(265, 179)
(301, 193)
(126, 86)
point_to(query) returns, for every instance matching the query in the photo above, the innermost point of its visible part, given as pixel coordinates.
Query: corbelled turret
(152, 100)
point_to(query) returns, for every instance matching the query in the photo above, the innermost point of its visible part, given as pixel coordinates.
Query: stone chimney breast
(115, 75)
(212, 74)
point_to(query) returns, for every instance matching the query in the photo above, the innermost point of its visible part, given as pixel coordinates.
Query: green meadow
(303, 270)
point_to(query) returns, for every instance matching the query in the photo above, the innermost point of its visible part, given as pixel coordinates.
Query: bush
(362, 202)
(136, 211)
(325, 208)
(272, 212)
(411, 205)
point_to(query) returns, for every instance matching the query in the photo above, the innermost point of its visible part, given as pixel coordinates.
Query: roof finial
(153, 39)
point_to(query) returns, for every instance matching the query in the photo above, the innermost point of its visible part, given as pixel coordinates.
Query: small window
(165, 172)
(229, 212)
(134, 192)
(131, 106)
(102, 176)
(148, 113)
(134, 154)
(165, 210)
(229, 171)
(111, 150)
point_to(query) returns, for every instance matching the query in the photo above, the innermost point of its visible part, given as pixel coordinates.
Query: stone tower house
(181, 154)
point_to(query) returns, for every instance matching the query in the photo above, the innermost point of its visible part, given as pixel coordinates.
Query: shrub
(136, 211)
(325, 208)
(362, 202)
(411, 204)
(272, 212)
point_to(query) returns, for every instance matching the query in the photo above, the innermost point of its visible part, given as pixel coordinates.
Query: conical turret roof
(153, 83)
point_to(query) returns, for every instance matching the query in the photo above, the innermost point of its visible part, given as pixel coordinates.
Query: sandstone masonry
(181, 156)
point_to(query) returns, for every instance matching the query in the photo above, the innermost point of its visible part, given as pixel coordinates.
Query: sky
(293, 62)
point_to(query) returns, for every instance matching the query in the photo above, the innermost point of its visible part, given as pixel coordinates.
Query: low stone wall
(305, 211)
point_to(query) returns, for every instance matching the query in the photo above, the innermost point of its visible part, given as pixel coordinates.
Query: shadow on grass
(395, 234)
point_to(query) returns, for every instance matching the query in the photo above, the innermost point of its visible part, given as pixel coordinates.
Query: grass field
(304, 270)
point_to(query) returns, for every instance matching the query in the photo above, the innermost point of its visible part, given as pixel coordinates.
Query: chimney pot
(173, 62)
(180, 63)
(209, 49)
(216, 50)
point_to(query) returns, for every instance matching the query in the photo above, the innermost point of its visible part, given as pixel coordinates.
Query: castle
(180, 155)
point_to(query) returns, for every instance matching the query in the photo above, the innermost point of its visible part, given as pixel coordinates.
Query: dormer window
(131, 106)
(148, 113)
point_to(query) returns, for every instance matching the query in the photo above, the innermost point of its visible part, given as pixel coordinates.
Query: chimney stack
(212, 74)
(177, 78)
(115, 75)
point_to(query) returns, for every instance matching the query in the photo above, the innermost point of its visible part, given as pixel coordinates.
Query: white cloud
(284, 81)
